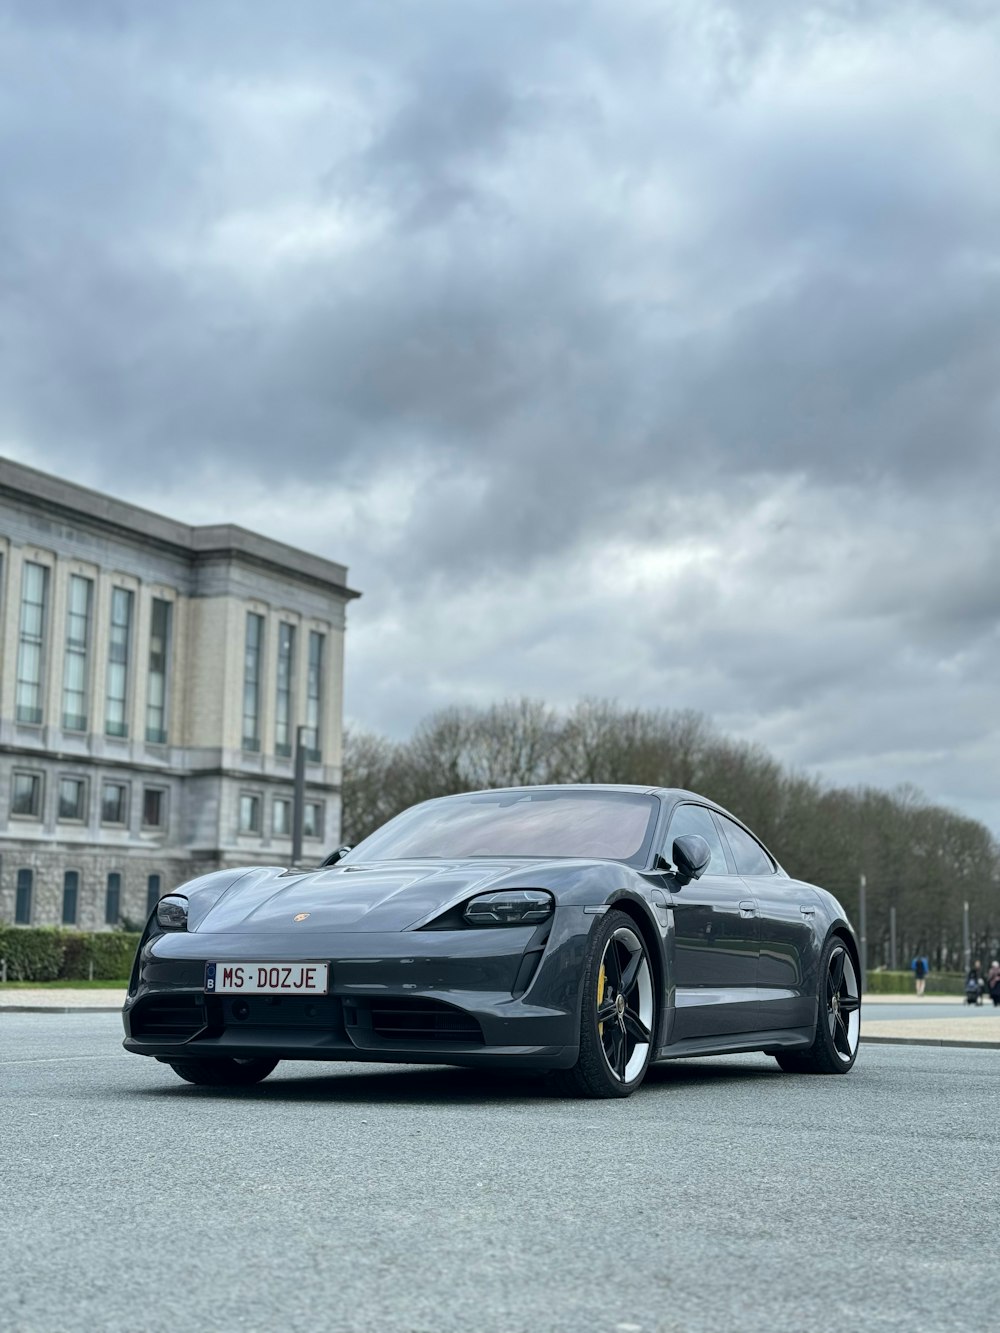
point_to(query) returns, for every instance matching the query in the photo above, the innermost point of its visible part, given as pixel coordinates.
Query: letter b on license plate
(267, 978)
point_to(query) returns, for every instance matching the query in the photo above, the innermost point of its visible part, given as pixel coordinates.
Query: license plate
(267, 978)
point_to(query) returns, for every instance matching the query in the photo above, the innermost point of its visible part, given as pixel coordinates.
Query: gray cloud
(493, 302)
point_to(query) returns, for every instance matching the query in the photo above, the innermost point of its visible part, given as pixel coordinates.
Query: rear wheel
(618, 1021)
(223, 1071)
(838, 1021)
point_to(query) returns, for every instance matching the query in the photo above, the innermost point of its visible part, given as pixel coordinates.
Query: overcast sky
(619, 348)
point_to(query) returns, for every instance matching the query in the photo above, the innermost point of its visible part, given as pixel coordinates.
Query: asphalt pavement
(395, 1200)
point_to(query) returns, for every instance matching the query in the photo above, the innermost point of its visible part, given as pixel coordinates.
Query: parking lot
(385, 1198)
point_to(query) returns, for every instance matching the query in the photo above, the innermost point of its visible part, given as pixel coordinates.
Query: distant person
(920, 968)
(993, 982)
(974, 984)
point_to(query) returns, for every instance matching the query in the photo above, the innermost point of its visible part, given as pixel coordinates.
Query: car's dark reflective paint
(652, 948)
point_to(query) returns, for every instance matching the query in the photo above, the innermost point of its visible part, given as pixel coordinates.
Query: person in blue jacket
(920, 968)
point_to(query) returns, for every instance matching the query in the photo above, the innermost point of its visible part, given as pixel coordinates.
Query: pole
(863, 929)
(966, 942)
(299, 794)
(892, 940)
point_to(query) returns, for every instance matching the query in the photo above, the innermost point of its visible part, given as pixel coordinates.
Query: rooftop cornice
(197, 544)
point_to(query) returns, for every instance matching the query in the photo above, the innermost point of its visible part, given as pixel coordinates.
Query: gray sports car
(584, 930)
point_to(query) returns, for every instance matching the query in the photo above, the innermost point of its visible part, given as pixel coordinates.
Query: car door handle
(748, 909)
(807, 911)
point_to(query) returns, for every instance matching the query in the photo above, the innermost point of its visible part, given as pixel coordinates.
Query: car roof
(673, 793)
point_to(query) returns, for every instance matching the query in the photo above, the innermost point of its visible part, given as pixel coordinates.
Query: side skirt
(784, 1039)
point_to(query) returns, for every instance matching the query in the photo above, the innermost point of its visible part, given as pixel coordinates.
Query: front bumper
(505, 996)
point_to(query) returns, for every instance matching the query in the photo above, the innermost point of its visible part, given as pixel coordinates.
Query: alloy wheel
(843, 1005)
(625, 1004)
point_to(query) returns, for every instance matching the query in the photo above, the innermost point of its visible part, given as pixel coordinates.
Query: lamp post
(863, 932)
(299, 794)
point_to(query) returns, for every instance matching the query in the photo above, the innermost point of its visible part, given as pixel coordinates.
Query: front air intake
(168, 1018)
(423, 1020)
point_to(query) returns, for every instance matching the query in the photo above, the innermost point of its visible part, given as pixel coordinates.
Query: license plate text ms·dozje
(267, 978)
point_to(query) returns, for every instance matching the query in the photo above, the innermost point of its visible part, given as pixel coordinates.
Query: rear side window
(696, 819)
(749, 855)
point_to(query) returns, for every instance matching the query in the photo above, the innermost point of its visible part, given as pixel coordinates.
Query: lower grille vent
(168, 1018)
(423, 1020)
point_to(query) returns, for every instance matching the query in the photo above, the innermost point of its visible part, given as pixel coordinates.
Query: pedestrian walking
(920, 968)
(993, 983)
(974, 984)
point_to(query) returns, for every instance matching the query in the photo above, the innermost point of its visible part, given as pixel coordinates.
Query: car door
(785, 982)
(716, 939)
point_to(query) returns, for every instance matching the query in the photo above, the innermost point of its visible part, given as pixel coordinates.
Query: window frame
(83, 785)
(724, 820)
(159, 735)
(119, 730)
(73, 919)
(37, 776)
(285, 803)
(163, 793)
(253, 680)
(24, 891)
(317, 831)
(125, 789)
(113, 894)
(670, 835)
(78, 723)
(284, 690)
(251, 829)
(33, 640)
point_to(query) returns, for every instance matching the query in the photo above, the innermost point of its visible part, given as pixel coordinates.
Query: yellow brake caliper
(601, 979)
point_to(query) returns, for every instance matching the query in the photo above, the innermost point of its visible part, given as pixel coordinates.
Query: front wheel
(618, 1021)
(838, 1019)
(223, 1071)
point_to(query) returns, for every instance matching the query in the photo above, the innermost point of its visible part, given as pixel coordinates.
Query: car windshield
(615, 826)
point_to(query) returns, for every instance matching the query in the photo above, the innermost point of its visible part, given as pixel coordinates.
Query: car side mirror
(334, 857)
(691, 855)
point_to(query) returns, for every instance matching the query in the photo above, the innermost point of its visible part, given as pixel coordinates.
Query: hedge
(48, 953)
(902, 983)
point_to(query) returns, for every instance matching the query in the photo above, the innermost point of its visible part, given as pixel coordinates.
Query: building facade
(153, 680)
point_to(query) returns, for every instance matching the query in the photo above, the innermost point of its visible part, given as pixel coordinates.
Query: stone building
(153, 677)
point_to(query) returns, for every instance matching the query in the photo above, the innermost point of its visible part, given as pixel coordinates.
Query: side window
(750, 857)
(696, 819)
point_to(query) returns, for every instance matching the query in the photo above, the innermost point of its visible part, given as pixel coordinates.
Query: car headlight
(172, 913)
(509, 907)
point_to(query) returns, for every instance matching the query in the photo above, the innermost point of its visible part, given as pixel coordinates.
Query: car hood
(384, 896)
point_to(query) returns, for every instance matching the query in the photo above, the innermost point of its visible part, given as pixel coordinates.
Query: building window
(72, 798)
(22, 905)
(282, 818)
(249, 813)
(314, 695)
(71, 895)
(26, 795)
(286, 667)
(31, 644)
(114, 803)
(312, 820)
(152, 892)
(251, 681)
(154, 802)
(113, 899)
(115, 717)
(78, 611)
(156, 688)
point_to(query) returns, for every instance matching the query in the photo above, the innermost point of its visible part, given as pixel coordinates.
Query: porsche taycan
(588, 931)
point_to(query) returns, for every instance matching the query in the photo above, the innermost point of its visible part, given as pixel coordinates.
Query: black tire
(838, 1017)
(223, 1071)
(618, 1015)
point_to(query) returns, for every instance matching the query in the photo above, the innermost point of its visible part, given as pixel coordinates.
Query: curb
(57, 1009)
(931, 1041)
